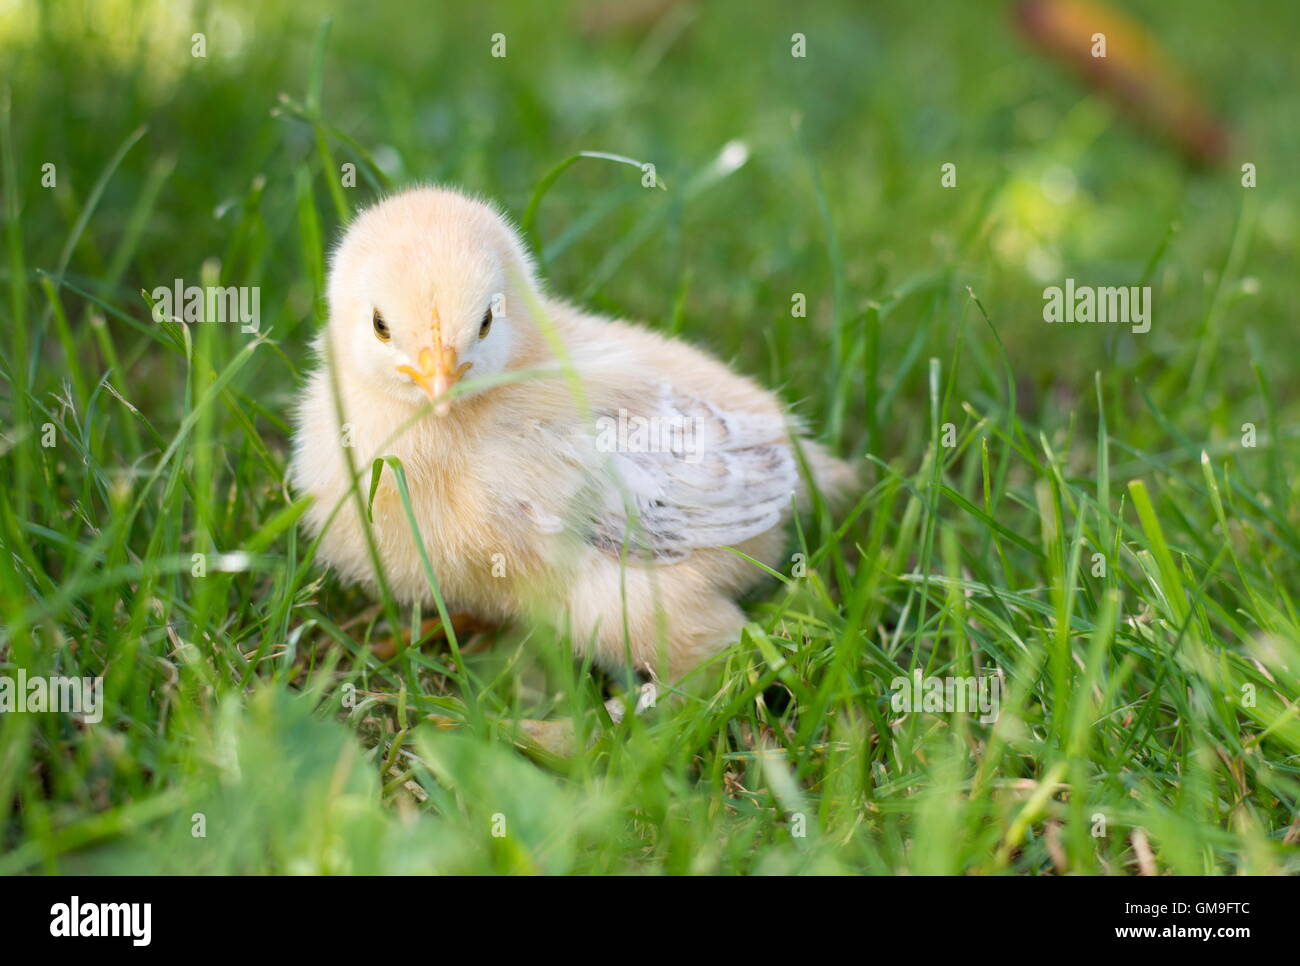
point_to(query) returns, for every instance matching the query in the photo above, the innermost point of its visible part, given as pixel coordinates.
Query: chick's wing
(683, 474)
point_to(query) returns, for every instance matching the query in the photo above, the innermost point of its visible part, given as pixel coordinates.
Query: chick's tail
(836, 480)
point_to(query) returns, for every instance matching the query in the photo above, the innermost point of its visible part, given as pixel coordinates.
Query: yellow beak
(438, 370)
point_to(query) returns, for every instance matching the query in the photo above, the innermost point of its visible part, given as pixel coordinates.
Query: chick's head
(429, 288)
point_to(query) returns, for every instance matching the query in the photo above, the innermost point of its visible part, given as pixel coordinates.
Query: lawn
(1105, 522)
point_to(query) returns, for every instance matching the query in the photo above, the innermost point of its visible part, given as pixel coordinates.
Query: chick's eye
(381, 327)
(486, 326)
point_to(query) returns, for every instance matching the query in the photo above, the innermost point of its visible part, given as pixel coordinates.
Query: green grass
(251, 695)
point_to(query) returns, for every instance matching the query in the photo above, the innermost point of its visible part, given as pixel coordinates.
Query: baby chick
(572, 468)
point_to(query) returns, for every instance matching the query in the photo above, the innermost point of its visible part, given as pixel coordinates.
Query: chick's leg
(463, 624)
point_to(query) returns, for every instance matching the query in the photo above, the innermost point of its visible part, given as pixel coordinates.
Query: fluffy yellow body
(518, 504)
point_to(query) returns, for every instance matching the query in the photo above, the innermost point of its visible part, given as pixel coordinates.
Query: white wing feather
(699, 477)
